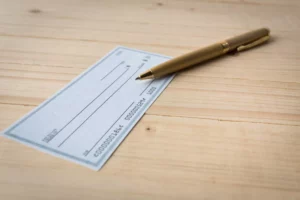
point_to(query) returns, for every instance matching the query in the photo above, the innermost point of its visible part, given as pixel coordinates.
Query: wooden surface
(227, 130)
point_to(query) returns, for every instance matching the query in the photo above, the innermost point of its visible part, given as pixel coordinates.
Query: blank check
(87, 120)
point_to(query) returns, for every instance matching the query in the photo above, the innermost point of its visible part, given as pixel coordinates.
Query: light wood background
(229, 129)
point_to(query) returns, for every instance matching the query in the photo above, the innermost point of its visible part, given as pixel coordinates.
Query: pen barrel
(188, 60)
(244, 41)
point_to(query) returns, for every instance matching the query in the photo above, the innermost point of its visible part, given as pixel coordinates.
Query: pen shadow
(212, 61)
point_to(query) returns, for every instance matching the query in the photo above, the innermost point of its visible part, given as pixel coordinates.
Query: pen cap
(247, 38)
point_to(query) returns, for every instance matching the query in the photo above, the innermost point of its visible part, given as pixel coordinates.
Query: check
(86, 121)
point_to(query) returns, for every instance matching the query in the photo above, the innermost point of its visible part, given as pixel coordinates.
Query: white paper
(88, 119)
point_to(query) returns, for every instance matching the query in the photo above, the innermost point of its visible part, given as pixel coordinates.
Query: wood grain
(228, 129)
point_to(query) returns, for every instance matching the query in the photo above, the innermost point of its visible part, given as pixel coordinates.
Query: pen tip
(137, 78)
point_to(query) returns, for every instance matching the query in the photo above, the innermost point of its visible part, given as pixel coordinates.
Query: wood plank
(218, 89)
(236, 159)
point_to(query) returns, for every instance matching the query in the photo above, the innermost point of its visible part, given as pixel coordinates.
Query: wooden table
(229, 129)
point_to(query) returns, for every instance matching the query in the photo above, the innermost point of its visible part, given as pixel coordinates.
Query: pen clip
(253, 44)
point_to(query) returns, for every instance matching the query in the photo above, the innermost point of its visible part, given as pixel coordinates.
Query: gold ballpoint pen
(237, 43)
